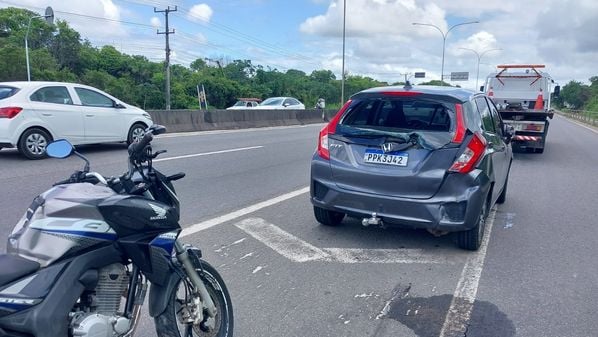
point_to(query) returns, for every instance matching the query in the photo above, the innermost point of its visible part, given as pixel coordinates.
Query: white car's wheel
(136, 132)
(33, 143)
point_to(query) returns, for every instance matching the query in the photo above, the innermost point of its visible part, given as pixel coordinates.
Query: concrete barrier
(202, 120)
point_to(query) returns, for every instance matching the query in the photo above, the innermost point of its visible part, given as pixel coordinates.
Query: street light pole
(49, 19)
(444, 35)
(479, 55)
(343, 66)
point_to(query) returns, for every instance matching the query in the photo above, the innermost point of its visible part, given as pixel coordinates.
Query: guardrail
(588, 117)
(202, 120)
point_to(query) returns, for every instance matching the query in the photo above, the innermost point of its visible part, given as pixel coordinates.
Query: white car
(32, 114)
(275, 103)
(242, 105)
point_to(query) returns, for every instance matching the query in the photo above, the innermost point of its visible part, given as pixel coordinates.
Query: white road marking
(258, 268)
(208, 153)
(404, 255)
(239, 213)
(297, 250)
(457, 318)
(220, 132)
(280, 241)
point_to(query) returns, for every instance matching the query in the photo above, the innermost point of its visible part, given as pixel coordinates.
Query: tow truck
(521, 93)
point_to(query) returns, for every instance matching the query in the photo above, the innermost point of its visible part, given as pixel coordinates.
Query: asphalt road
(289, 276)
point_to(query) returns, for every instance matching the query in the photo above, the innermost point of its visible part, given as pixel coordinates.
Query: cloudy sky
(381, 41)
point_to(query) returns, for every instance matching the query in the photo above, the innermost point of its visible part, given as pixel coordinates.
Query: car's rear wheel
(328, 218)
(472, 239)
(136, 132)
(33, 143)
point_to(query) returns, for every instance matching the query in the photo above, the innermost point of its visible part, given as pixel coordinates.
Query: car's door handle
(89, 115)
(46, 114)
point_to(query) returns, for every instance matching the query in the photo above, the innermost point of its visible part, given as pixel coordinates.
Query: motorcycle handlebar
(136, 149)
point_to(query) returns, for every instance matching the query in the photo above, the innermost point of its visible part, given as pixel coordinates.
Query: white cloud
(200, 13)
(86, 26)
(155, 21)
(382, 41)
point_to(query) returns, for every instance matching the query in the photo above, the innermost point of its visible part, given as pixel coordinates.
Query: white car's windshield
(272, 101)
(239, 103)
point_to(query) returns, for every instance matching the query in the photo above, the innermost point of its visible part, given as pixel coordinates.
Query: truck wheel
(328, 218)
(472, 239)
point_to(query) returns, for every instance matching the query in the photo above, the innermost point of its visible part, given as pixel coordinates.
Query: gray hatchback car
(421, 157)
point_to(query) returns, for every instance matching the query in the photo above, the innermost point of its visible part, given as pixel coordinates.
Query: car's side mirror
(119, 106)
(482, 88)
(59, 149)
(557, 91)
(286, 105)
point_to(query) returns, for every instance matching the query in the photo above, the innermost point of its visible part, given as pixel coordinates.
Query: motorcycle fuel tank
(61, 221)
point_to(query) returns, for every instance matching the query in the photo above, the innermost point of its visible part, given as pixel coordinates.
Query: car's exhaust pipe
(373, 221)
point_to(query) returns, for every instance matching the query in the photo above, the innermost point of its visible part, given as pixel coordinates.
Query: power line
(235, 34)
(80, 15)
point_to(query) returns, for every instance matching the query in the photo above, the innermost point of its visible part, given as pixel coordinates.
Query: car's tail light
(323, 150)
(10, 112)
(472, 154)
(460, 127)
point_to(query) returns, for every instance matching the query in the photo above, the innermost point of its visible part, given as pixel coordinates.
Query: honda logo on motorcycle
(160, 212)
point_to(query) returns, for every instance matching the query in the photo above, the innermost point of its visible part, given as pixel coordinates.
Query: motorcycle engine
(99, 311)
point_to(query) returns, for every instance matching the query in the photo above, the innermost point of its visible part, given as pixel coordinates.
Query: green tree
(575, 94)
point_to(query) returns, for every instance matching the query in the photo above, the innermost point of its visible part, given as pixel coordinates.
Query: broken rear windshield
(430, 120)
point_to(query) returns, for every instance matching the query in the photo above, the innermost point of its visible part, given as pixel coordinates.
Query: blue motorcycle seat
(13, 267)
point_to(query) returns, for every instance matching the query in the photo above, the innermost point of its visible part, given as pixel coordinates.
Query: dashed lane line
(239, 213)
(208, 153)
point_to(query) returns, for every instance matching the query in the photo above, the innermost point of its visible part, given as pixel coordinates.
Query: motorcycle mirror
(59, 149)
(157, 129)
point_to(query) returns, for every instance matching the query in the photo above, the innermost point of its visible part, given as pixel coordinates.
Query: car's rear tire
(328, 218)
(33, 143)
(136, 132)
(472, 239)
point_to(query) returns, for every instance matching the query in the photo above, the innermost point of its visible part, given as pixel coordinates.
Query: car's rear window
(400, 114)
(6, 91)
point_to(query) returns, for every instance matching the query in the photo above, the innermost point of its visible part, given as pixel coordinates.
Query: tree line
(58, 53)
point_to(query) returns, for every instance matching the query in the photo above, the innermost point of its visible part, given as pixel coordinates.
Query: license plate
(379, 157)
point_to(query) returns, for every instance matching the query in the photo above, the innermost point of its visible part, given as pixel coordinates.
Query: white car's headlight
(148, 116)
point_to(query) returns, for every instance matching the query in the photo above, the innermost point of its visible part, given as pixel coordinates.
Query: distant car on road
(32, 114)
(243, 104)
(276, 103)
(422, 157)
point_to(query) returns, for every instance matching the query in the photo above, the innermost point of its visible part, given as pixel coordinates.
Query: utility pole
(167, 32)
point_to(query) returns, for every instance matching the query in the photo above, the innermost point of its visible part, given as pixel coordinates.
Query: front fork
(182, 256)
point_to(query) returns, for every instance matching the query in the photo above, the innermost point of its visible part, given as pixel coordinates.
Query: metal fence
(588, 117)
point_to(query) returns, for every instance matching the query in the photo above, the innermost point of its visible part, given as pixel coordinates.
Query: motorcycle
(79, 261)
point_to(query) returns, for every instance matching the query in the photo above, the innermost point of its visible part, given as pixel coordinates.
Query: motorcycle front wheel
(171, 322)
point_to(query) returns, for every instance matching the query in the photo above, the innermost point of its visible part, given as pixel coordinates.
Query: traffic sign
(460, 76)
